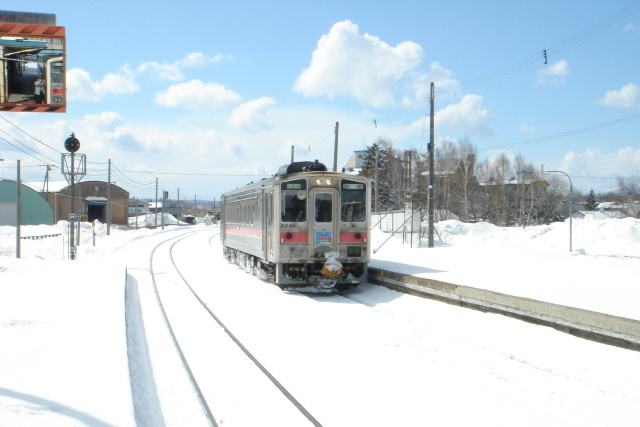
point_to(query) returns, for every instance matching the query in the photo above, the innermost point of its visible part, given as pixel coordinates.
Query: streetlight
(570, 209)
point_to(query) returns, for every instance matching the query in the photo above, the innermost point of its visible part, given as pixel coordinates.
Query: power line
(520, 64)
(25, 152)
(193, 174)
(565, 134)
(29, 135)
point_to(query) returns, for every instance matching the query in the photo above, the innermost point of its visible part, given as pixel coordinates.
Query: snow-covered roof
(598, 214)
(53, 186)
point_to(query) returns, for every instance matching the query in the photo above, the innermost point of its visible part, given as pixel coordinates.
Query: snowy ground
(63, 355)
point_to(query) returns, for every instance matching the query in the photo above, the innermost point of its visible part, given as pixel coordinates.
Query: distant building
(355, 162)
(35, 209)
(137, 207)
(172, 207)
(91, 202)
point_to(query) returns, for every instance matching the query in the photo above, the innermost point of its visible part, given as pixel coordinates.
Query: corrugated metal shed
(35, 209)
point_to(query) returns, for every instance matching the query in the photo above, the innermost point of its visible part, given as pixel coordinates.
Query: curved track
(227, 380)
(377, 358)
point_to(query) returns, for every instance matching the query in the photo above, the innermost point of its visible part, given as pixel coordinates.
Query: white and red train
(306, 228)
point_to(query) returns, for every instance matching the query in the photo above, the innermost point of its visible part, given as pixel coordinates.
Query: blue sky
(207, 96)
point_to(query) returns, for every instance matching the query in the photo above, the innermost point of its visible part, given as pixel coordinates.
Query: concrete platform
(604, 328)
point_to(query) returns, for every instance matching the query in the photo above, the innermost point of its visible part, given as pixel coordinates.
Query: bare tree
(465, 178)
(557, 191)
(396, 178)
(446, 162)
(630, 191)
(496, 199)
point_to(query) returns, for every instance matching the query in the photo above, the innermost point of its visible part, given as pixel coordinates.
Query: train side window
(323, 207)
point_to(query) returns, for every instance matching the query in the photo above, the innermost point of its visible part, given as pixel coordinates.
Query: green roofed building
(35, 208)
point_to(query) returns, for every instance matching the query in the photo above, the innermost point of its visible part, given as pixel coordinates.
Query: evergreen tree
(381, 149)
(591, 203)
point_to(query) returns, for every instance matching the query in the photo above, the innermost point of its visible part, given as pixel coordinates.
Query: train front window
(353, 201)
(294, 209)
(294, 201)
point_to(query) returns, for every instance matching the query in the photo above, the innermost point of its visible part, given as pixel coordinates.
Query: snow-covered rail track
(207, 348)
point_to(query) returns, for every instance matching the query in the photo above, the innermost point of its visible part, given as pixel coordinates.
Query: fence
(405, 222)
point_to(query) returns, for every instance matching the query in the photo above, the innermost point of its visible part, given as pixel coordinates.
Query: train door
(267, 226)
(323, 226)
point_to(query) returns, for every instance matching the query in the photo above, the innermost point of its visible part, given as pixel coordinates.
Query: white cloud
(198, 59)
(468, 116)
(528, 129)
(420, 88)
(173, 71)
(631, 28)
(198, 96)
(593, 162)
(627, 97)
(349, 63)
(107, 132)
(164, 70)
(80, 85)
(553, 75)
(252, 115)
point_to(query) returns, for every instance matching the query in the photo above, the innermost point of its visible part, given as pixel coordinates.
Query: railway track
(372, 359)
(225, 380)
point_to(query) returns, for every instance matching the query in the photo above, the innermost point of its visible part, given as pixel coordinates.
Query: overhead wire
(565, 134)
(29, 135)
(523, 63)
(535, 58)
(25, 152)
(520, 64)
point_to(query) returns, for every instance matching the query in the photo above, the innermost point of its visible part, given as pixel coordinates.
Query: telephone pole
(109, 200)
(335, 149)
(377, 204)
(18, 211)
(431, 171)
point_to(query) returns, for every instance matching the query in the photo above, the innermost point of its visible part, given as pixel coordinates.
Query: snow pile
(609, 237)
(150, 220)
(64, 353)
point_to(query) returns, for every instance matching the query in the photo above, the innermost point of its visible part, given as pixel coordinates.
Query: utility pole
(45, 186)
(109, 200)
(335, 149)
(431, 171)
(18, 212)
(156, 209)
(292, 153)
(375, 150)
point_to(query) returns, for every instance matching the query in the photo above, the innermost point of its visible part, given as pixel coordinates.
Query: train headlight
(324, 181)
